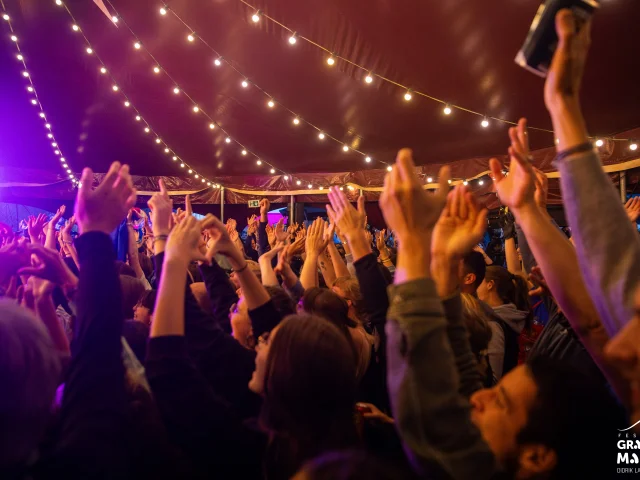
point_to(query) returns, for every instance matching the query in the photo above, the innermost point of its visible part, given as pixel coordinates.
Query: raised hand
(231, 224)
(460, 226)
(264, 209)
(49, 266)
(542, 189)
(234, 235)
(315, 242)
(298, 246)
(65, 233)
(161, 207)
(183, 244)
(35, 226)
(104, 208)
(348, 219)
(220, 242)
(518, 188)
(328, 232)
(271, 235)
(381, 244)
(537, 278)
(408, 209)
(56, 217)
(280, 233)
(632, 207)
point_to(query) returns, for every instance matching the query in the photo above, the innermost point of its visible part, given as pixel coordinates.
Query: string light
(174, 158)
(286, 177)
(163, 10)
(245, 83)
(191, 37)
(127, 104)
(25, 73)
(228, 140)
(176, 90)
(367, 159)
(389, 168)
(103, 70)
(58, 2)
(156, 69)
(244, 152)
(480, 182)
(212, 126)
(429, 180)
(331, 61)
(408, 96)
(321, 136)
(296, 121)
(196, 109)
(218, 62)
(5, 17)
(115, 88)
(256, 16)
(309, 186)
(298, 182)
(369, 78)
(633, 147)
(271, 104)
(147, 129)
(272, 171)
(293, 39)
(465, 183)
(321, 187)
(345, 148)
(89, 50)
(447, 110)
(20, 57)
(166, 150)
(599, 142)
(30, 88)
(158, 141)
(137, 46)
(138, 118)
(75, 27)
(14, 38)
(450, 181)
(485, 122)
(114, 19)
(190, 171)
(259, 162)
(34, 101)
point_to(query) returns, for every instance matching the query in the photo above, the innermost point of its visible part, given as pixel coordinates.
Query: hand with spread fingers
(161, 207)
(49, 266)
(280, 233)
(315, 242)
(35, 227)
(105, 207)
(348, 219)
(632, 207)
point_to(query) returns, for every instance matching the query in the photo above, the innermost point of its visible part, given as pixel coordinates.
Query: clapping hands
(316, 241)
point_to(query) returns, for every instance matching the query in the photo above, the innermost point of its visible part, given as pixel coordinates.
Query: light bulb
(62, 159)
(218, 62)
(146, 130)
(350, 187)
(166, 150)
(196, 176)
(465, 183)
(309, 186)
(389, 168)
(137, 45)
(58, 2)
(296, 121)
(75, 28)
(14, 38)
(191, 37)
(42, 116)
(115, 88)
(182, 165)
(447, 110)
(64, 165)
(5, 17)
(174, 158)
(203, 180)
(156, 69)
(138, 118)
(331, 60)
(71, 176)
(633, 146)
(208, 184)
(367, 159)
(158, 140)
(212, 126)
(341, 189)
(557, 141)
(244, 84)
(47, 126)
(57, 152)
(321, 136)
(256, 17)
(89, 50)
(190, 171)
(196, 109)
(450, 181)
(25, 74)
(429, 179)
(484, 123)
(228, 140)
(298, 182)
(103, 70)
(176, 90)
(599, 142)
(34, 101)
(480, 182)
(321, 187)
(114, 19)
(293, 39)
(271, 104)
(259, 162)
(127, 103)
(54, 144)
(368, 78)
(345, 148)
(68, 170)
(30, 88)
(20, 57)
(272, 171)
(244, 152)
(49, 135)
(163, 11)
(286, 177)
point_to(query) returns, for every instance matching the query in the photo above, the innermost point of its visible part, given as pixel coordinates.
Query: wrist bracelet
(160, 238)
(583, 147)
(67, 243)
(240, 270)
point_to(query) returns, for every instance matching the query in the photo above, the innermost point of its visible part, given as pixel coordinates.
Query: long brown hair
(511, 289)
(309, 390)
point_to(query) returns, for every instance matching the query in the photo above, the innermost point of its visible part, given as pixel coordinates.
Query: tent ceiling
(458, 50)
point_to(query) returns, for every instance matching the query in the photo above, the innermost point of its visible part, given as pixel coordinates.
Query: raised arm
(609, 262)
(315, 245)
(50, 240)
(432, 417)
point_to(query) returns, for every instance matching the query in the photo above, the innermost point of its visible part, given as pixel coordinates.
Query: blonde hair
(29, 375)
(351, 289)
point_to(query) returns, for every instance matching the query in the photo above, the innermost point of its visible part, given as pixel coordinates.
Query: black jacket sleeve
(221, 294)
(226, 364)
(264, 318)
(263, 241)
(93, 415)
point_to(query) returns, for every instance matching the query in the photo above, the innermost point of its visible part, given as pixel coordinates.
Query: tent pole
(291, 210)
(361, 192)
(623, 187)
(222, 204)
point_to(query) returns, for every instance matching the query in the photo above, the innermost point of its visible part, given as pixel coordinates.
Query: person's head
(544, 419)
(29, 374)
(622, 354)
(471, 272)
(132, 290)
(254, 245)
(348, 288)
(125, 269)
(305, 374)
(500, 287)
(477, 322)
(143, 310)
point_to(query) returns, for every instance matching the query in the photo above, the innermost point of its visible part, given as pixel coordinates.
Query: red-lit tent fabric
(459, 51)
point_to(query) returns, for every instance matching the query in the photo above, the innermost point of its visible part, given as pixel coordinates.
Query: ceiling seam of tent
(448, 107)
(128, 104)
(57, 150)
(246, 82)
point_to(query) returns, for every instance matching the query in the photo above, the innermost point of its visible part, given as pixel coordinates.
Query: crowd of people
(289, 355)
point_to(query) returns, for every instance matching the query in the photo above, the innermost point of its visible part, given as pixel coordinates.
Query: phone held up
(542, 40)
